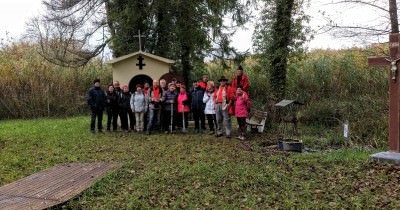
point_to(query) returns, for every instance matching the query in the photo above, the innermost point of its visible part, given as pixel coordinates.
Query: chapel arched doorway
(139, 79)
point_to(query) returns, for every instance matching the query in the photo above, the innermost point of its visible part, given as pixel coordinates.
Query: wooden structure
(52, 186)
(257, 121)
(291, 114)
(394, 89)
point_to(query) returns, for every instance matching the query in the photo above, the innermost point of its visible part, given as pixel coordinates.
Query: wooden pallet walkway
(52, 186)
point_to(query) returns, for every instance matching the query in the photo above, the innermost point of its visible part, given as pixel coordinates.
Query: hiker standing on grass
(139, 106)
(164, 87)
(111, 108)
(96, 98)
(222, 99)
(209, 110)
(154, 95)
(183, 109)
(125, 109)
(118, 91)
(241, 80)
(242, 107)
(169, 108)
(196, 94)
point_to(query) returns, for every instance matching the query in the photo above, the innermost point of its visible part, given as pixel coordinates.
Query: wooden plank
(52, 186)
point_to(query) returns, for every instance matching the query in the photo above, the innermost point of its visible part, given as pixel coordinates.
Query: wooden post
(394, 89)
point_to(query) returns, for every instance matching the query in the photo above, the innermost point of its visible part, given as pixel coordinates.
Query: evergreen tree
(280, 33)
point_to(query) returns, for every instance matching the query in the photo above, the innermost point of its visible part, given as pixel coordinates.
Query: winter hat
(223, 79)
(240, 68)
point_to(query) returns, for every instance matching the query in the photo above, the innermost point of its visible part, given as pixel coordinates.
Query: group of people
(166, 107)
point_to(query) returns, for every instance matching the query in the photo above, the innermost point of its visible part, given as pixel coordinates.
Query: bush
(32, 87)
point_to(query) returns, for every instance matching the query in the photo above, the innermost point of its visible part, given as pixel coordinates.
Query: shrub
(32, 87)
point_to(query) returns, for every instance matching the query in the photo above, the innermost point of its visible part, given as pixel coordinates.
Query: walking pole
(183, 118)
(172, 117)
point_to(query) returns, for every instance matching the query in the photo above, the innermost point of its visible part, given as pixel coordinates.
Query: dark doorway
(139, 79)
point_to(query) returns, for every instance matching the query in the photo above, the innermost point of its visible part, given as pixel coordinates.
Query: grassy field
(197, 172)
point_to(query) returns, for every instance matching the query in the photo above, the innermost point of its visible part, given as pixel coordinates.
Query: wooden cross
(140, 64)
(394, 89)
(140, 40)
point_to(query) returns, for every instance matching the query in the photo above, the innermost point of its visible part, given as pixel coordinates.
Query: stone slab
(391, 157)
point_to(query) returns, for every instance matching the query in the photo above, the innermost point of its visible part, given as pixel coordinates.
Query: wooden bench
(257, 121)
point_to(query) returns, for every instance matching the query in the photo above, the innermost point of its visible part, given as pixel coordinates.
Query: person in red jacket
(203, 82)
(223, 97)
(241, 80)
(242, 107)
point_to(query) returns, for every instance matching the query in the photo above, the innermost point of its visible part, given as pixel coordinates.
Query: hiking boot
(212, 132)
(219, 135)
(228, 136)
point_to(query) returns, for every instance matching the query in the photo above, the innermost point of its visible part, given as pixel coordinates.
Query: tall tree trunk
(393, 16)
(280, 46)
(186, 65)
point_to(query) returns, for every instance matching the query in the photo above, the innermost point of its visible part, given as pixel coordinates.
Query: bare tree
(386, 20)
(66, 32)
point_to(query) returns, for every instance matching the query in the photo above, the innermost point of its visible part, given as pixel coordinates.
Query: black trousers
(123, 115)
(211, 118)
(180, 119)
(242, 125)
(99, 115)
(166, 119)
(199, 119)
(112, 116)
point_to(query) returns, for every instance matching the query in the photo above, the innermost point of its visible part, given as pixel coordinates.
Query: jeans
(153, 119)
(223, 120)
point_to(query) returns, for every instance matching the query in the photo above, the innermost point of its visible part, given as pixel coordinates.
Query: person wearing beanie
(196, 94)
(169, 109)
(96, 99)
(241, 80)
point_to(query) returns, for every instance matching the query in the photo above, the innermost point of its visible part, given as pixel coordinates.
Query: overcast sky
(14, 14)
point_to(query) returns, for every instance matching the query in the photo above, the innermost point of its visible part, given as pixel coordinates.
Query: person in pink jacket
(183, 108)
(242, 107)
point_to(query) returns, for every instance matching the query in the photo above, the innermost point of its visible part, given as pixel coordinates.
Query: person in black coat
(196, 94)
(97, 101)
(111, 108)
(124, 104)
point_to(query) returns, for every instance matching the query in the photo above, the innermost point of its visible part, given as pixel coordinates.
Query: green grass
(197, 172)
